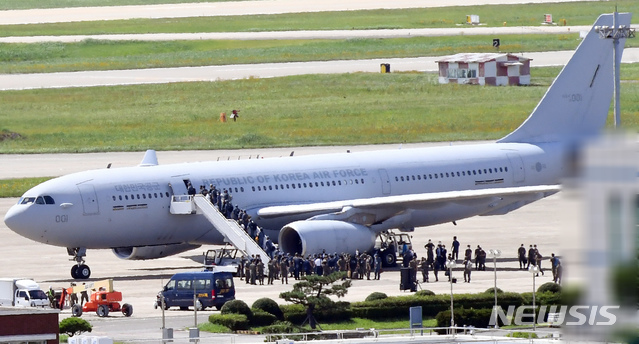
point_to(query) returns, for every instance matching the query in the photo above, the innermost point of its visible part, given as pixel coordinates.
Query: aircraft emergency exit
(332, 202)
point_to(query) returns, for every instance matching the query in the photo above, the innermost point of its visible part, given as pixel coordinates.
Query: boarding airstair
(233, 233)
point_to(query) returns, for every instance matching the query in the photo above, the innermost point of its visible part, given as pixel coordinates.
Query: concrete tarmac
(540, 223)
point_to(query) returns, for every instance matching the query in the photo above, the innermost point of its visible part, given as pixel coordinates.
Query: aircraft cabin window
(501, 169)
(506, 169)
(138, 196)
(485, 171)
(155, 195)
(126, 197)
(167, 194)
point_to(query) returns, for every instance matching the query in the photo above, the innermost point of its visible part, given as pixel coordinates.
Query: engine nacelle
(310, 237)
(151, 252)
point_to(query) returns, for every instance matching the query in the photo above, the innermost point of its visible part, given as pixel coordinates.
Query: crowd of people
(358, 265)
(284, 265)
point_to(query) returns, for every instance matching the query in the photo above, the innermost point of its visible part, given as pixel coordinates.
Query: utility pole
(615, 33)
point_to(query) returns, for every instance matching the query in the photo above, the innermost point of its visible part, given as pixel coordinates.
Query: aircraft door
(178, 184)
(89, 199)
(386, 186)
(517, 166)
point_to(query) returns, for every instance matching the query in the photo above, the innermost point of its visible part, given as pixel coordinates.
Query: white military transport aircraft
(332, 202)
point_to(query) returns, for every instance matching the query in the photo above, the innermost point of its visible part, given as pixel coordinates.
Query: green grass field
(575, 13)
(109, 55)
(356, 108)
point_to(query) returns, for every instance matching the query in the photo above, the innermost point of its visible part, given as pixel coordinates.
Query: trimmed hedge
(336, 312)
(233, 321)
(376, 295)
(549, 287)
(268, 306)
(394, 307)
(479, 318)
(262, 318)
(237, 307)
(424, 292)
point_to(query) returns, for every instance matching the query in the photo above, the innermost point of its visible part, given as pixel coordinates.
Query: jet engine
(309, 237)
(151, 252)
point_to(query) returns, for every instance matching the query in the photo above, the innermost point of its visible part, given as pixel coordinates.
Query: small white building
(495, 69)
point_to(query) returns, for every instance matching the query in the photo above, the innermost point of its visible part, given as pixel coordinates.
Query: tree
(314, 291)
(73, 326)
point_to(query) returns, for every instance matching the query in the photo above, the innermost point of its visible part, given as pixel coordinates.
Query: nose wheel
(81, 271)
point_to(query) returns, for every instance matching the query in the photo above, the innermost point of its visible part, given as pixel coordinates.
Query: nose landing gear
(80, 270)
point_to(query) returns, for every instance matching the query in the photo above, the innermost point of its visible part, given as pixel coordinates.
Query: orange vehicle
(102, 302)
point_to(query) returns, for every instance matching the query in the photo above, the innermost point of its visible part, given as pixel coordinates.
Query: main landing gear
(80, 270)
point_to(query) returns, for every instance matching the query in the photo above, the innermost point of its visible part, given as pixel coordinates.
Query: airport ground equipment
(103, 300)
(233, 233)
(223, 259)
(21, 292)
(391, 246)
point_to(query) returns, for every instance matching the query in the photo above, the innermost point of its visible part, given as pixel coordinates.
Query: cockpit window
(37, 200)
(27, 200)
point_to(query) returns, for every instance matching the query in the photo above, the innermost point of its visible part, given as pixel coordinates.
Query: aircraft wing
(411, 201)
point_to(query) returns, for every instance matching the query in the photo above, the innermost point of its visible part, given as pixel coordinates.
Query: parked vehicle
(103, 299)
(210, 288)
(21, 292)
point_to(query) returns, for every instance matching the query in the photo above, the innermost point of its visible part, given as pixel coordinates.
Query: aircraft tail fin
(578, 101)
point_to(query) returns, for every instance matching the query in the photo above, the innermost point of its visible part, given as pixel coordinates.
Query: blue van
(212, 288)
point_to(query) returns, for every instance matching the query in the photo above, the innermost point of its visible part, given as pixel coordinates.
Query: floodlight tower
(615, 33)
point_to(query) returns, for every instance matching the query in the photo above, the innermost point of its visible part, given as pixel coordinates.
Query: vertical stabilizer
(578, 101)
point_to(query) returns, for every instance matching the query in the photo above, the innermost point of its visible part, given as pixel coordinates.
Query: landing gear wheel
(127, 310)
(388, 259)
(76, 310)
(74, 272)
(84, 272)
(102, 311)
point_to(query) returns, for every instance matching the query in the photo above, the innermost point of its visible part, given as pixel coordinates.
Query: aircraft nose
(20, 221)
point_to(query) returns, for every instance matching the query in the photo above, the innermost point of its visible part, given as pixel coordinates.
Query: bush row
(394, 307)
(265, 312)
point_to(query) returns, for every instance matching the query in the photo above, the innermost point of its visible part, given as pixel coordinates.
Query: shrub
(73, 326)
(237, 307)
(233, 321)
(376, 296)
(479, 318)
(262, 318)
(282, 327)
(423, 292)
(294, 313)
(269, 306)
(491, 290)
(550, 287)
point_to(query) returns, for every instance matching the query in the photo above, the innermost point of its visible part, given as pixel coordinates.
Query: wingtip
(150, 158)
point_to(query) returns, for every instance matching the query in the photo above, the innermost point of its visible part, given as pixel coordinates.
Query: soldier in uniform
(284, 269)
(423, 266)
(260, 271)
(468, 267)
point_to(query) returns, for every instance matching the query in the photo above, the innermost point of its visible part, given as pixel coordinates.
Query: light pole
(615, 33)
(450, 265)
(534, 270)
(495, 253)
